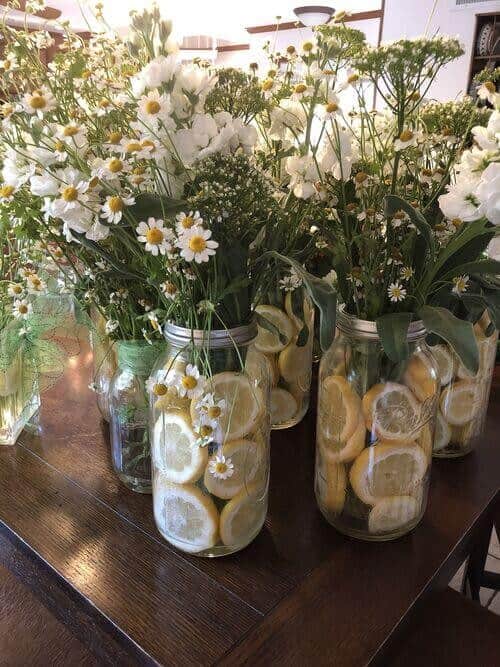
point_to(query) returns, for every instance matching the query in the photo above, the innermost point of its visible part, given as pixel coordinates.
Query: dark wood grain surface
(300, 594)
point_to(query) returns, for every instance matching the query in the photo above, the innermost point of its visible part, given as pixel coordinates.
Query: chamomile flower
(22, 308)
(186, 221)
(396, 292)
(157, 238)
(309, 47)
(332, 107)
(36, 285)
(211, 410)
(9, 63)
(155, 107)
(221, 467)
(399, 218)
(112, 209)
(39, 102)
(111, 325)
(163, 382)
(15, 290)
(300, 91)
(169, 290)
(134, 148)
(460, 284)
(190, 383)
(407, 273)
(291, 282)
(406, 139)
(7, 192)
(195, 244)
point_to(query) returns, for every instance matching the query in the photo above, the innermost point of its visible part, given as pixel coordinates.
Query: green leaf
(322, 294)
(393, 203)
(148, 205)
(272, 328)
(393, 331)
(458, 333)
(303, 336)
(484, 266)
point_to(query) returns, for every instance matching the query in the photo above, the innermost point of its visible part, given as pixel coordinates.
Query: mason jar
(128, 405)
(105, 362)
(463, 401)
(286, 339)
(210, 426)
(375, 428)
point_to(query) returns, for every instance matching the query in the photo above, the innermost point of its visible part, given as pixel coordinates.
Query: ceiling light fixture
(312, 15)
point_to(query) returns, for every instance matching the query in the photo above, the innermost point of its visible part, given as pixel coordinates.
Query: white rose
(460, 201)
(493, 249)
(488, 193)
(44, 186)
(204, 128)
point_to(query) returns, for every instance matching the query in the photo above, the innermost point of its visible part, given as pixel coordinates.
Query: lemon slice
(339, 410)
(10, 379)
(342, 452)
(185, 515)
(295, 364)
(247, 459)
(331, 481)
(260, 367)
(174, 449)
(368, 402)
(395, 413)
(171, 400)
(244, 404)
(269, 341)
(444, 361)
(390, 514)
(442, 434)
(425, 440)
(289, 311)
(284, 406)
(459, 402)
(387, 470)
(242, 518)
(420, 377)
(484, 347)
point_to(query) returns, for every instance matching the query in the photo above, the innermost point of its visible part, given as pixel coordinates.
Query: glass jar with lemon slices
(463, 401)
(286, 339)
(209, 421)
(105, 362)
(375, 428)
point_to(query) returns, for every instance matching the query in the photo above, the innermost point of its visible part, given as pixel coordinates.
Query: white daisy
(38, 102)
(300, 91)
(36, 285)
(7, 193)
(133, 148)
(21, 308)
(221, 467)
(332, 107)
(72, 193)
(163, 381)
(407, 273)
(112, 209)
(190, 383)
(155, 107)
(111, 325)
(399, 218)
(15, 290)
(186, 221)
(155, 236)
(195, 244)
(169, 290)
(211, 410)
(460, 284)
(406, 139)
(396, 292)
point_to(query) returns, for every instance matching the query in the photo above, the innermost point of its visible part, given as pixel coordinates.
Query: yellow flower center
(160, 389)
(307, 47)
(189, 382)
(154, 236)
(104, 103)
(86, 74)
(133, 147)
(93, 182)
(114, 138)
(290, 49)
(38, 102)
(331, 107)
(446, 132)
(360, 177)
(23, 309)
(70, 193)
(35, 281)
(267, 85)
(6, 65)
(7, 191)
(147, 143)
(197, 244)
(426, 172)
(59, 146)
(187, 222)
(7, 109)
(152, 107)
(415, 96)
(206, 430)
(115, 204)
(406, 135)
(115, 165)
(138, 171)
(70, 130)
(399, 215)
(220, 468)
(490, 86)
(169, 288)
(17, 289)
(271, 74)
(214, 412)
(370, 212)
(300, 88)
(456, 222)
(352, 78)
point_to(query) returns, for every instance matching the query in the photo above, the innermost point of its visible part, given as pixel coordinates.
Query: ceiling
(225, 19)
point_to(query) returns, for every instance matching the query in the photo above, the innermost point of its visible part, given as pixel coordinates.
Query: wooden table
(301, 594)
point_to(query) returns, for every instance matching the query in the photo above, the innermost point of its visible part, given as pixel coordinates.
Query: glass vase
(105, 363)
(286, 339)
(210, 426)
(19, 398)
(375, 427)
(464, 397)
(128, 406)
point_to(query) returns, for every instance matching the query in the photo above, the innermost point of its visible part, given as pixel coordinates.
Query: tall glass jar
(105, 362)
(210, 426)
(128, 403)
(375, 427)
(286, 339)
(19, 396)
(463, 401)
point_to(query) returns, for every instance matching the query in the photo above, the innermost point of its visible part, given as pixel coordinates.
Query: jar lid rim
(215, 338)
(348, 323)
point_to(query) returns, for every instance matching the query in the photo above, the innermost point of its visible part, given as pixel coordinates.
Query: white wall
(408, 18)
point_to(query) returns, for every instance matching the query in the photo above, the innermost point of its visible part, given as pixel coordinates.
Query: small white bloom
(195, 244)
(407, 273)
(396, 292)
(406, 139)
(155, 108)
(487, 91)
(36, 285)
(291, 282)
(460, 284)
(211, 410)
(112, 209)
(39, 102)
(300, 91)
(169, 290)
(187, 221)
(221, 467)
(157, 238)
(190, 383)
(111, 325)
(22, 308)
(15, 290)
